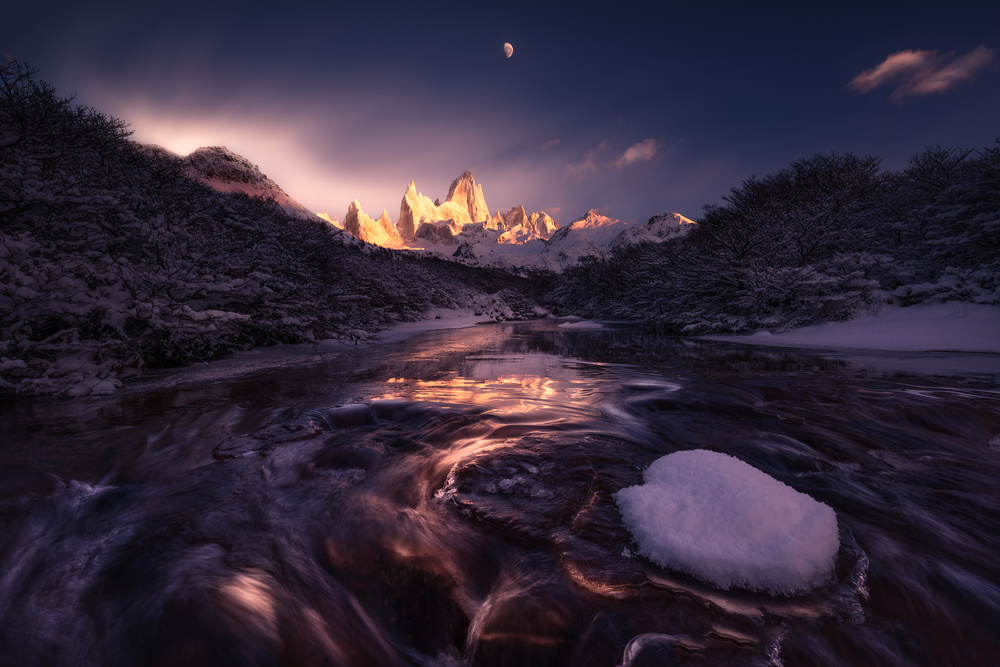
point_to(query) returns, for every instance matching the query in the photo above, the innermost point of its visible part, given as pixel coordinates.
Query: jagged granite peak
(515, 217)
(465, 192)
(518, 226)
(412, 210)
(497, 222)
(464, 203)
(462, 218)
(224, 170)
(542, 224)
(379, 232)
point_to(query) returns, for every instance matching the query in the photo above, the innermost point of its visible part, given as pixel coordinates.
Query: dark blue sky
(634, 111)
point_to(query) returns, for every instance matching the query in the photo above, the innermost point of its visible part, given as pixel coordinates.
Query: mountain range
(117, 256)
(461, 226)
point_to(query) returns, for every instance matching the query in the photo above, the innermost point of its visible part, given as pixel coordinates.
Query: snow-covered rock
(226, 171)
(715, 517)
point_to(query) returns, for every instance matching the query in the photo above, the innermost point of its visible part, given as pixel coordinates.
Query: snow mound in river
(719, 519)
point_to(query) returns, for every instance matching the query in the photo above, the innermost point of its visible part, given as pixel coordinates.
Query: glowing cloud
(550, 144)
(644, 151)
(915, 72)
(589, 163)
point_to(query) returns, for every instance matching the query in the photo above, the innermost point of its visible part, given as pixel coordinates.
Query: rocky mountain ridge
(464, 211)
(461, 226)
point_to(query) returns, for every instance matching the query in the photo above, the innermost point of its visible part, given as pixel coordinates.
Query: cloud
(550, 144)
(916, 72)
(644, 151)
(589, 163)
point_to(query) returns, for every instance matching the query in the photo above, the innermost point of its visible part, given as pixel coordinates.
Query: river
(448, 500)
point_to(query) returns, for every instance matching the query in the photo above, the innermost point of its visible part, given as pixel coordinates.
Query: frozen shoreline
(919, 338)
(943, 327)
(264, 359)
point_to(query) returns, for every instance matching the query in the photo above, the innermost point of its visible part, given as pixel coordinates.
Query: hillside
(828, 238)
(113, 259)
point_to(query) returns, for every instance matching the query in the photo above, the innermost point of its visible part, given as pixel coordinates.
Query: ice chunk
(715, 517)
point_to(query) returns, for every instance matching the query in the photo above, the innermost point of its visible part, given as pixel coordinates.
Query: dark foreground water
(448, 501)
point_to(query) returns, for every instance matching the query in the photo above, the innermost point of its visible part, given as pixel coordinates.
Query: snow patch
(719, 519)
(582, 325)
(954, 326)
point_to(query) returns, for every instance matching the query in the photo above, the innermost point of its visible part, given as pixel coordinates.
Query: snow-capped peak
(593, 219)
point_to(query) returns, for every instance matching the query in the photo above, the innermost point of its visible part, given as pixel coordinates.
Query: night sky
(633, 111)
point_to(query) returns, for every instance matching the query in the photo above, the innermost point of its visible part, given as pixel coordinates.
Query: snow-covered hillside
(829, 238)
(595, 235)
(226, 171)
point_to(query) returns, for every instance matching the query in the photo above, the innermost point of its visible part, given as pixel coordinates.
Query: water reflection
(448, 501)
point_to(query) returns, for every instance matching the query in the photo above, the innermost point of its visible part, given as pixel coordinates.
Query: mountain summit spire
(465, 192)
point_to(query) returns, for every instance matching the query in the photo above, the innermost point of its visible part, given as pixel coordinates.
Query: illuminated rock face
(465, 204)
(464, 212)
(497, 222)
(515, 217)
(224, 170)
(520, 227)
(464, 192)
(542, 225)
(417, 209)
(379, 232)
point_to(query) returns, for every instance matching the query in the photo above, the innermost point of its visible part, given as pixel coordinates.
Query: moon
(508, 49)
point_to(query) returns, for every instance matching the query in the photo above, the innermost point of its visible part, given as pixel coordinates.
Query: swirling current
(448, 500)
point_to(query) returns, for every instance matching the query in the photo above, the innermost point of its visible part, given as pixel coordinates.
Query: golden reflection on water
(515, 384)
(514, 396)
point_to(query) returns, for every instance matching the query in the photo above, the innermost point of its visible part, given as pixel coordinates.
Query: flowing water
(448, 500)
